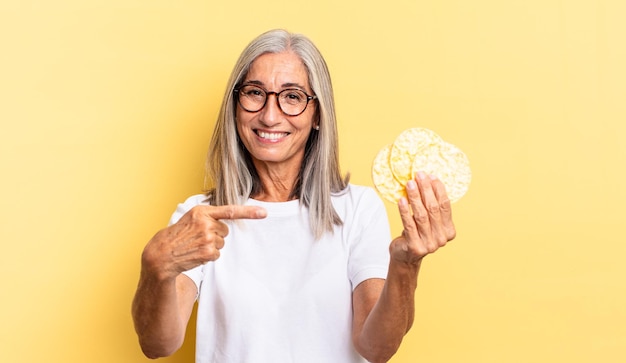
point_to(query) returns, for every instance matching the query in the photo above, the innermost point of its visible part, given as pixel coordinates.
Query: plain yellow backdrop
(106, 109)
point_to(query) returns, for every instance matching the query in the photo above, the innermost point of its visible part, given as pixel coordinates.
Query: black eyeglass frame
(277, 96)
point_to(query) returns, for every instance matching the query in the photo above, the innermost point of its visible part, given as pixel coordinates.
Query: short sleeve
(196, 274)
(369, 241)
(186, 206)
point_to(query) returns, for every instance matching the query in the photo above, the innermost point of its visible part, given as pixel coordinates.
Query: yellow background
(107, 108)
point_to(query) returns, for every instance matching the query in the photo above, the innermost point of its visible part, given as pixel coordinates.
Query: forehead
(278, 69)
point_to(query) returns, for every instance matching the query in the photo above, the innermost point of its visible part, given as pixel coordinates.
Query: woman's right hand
(194, 240)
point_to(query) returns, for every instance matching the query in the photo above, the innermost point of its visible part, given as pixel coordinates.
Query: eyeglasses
(291, 101)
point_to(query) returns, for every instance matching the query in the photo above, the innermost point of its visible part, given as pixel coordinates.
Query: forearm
(157, 316)
(392, 315)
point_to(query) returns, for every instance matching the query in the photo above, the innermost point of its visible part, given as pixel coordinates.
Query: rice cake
(384, 181)
(415, 150)
(448, 163)
(406, 147)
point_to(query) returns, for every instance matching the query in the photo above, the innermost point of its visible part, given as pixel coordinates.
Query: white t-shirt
(277, 295)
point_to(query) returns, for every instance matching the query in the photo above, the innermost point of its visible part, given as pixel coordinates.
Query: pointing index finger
(236, 212)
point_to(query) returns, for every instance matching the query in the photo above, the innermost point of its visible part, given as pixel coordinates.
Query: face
(272, 137)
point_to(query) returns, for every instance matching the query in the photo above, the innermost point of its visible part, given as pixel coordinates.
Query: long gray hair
(231, 177)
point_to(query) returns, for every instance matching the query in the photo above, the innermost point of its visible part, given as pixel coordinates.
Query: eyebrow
(284, 85)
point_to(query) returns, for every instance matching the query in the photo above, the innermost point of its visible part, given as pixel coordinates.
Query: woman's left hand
(427, 220)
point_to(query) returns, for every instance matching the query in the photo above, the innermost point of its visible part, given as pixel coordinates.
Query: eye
(253, 92)
(293, 96)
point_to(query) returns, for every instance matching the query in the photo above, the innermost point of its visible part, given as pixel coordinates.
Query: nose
(271, 113)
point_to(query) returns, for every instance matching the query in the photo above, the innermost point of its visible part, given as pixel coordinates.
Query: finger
(420, 214)
(200, 255)
(203, 246)
(440, 212)
(436, 236)
(198, 248)
(197, 220)
(217, 227)
(424, 183)
(445, 206)
(235, 212)
(410, 230)
(429, 198)
(440, 190)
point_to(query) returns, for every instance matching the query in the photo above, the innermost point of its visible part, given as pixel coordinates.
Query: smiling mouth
(271, 135)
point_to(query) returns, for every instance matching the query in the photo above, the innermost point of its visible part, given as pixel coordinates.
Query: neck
(277, 183)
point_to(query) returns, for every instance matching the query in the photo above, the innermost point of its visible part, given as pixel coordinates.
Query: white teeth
(271, 135)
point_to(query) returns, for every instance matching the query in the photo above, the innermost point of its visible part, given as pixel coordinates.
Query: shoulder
(357, 194)
(357, 199)
(195, 200)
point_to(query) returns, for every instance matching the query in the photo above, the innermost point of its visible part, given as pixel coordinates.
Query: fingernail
(411, 185)
(403, 202)
(432, 177)
(421, 175)
(261, 213)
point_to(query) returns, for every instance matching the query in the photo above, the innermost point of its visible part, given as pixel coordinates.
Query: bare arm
(161, 311)
(164, 299)
(384, 309)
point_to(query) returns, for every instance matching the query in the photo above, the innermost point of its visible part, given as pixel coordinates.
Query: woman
(288, 261)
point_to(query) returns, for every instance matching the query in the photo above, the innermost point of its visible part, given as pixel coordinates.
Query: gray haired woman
(287, 260)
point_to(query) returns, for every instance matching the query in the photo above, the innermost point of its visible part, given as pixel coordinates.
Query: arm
(384, 309)
(164, 299)
(161, 311)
